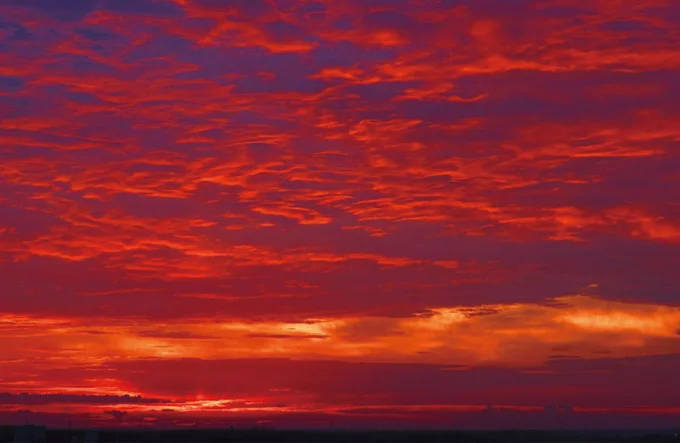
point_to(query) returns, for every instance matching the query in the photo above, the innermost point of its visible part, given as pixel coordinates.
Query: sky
(350, 214)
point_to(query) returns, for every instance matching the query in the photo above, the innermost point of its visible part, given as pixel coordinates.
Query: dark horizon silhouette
(262, 434)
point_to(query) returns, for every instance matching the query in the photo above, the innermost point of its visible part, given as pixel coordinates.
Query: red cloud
(482, 184)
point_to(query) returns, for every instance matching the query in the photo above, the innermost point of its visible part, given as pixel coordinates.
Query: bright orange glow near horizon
(375, 213)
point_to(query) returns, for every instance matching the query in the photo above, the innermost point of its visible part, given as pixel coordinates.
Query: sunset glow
(375, 213)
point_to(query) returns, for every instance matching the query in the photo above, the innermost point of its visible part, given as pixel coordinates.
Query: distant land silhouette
(10, 434)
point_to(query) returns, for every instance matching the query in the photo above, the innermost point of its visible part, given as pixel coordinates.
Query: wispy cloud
(438, 183)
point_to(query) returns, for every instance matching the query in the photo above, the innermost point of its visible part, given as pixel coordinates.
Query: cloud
(286, 336)
(512, 335)
(68, 10)
(471, 183)
(83, 399)
(384, 384)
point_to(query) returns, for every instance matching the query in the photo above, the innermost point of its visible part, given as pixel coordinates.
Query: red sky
(370, 213)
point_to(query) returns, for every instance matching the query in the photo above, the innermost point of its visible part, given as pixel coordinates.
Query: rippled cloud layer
(359, 209)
